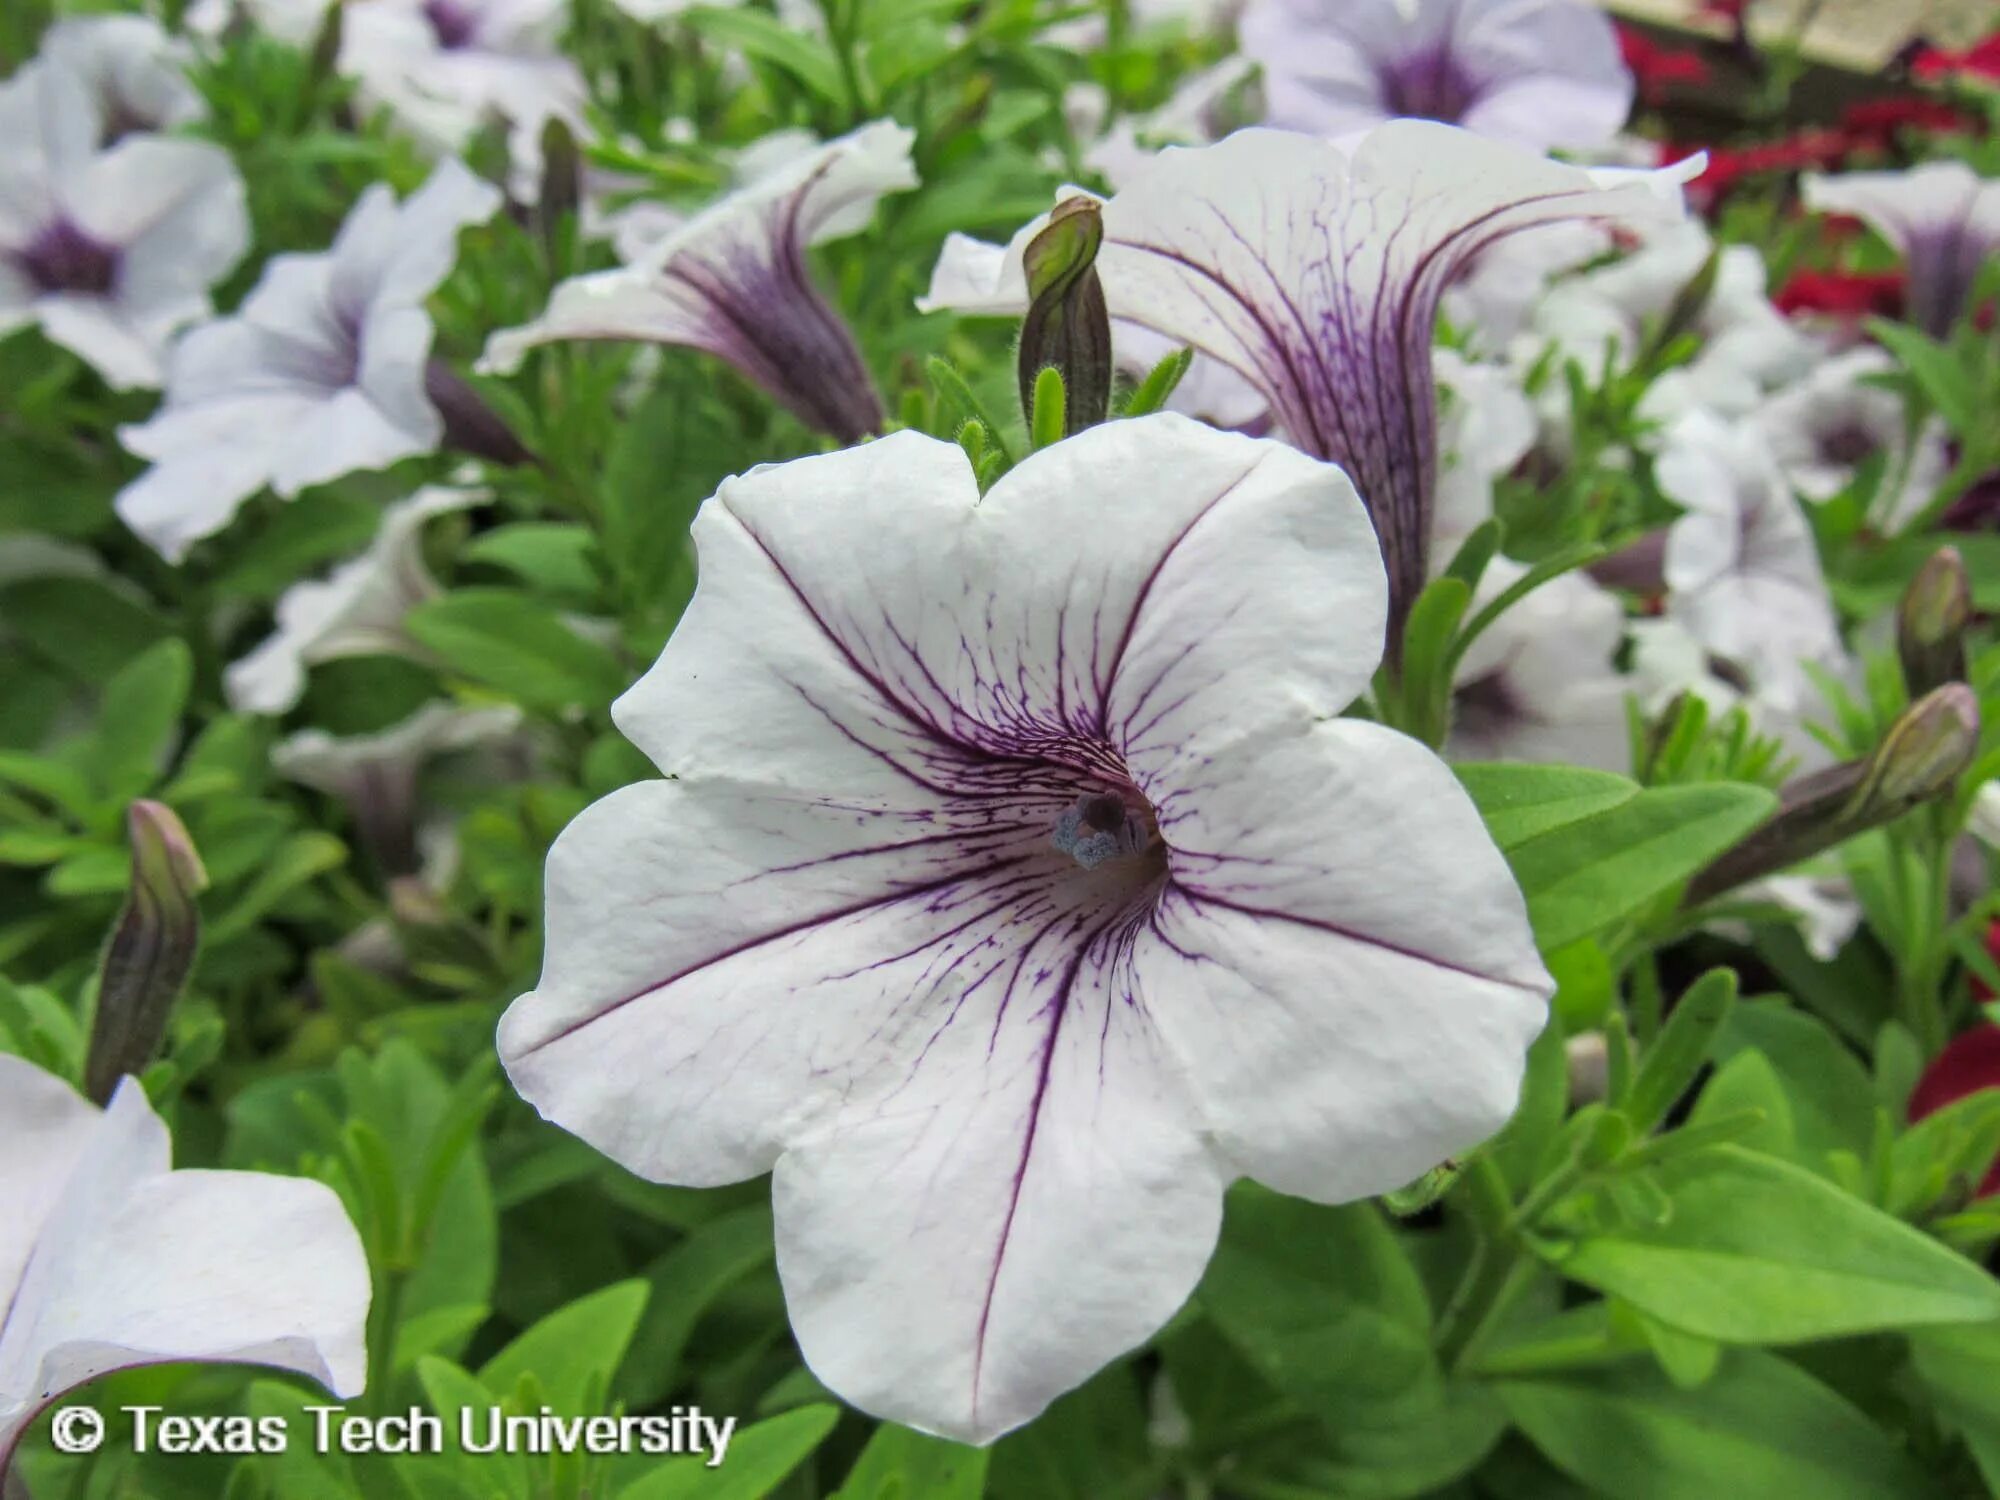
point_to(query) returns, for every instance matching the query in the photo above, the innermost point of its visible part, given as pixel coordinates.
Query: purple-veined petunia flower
(1314, 269)
(1539, 684)
(110, 250)
(356, 610)
(322, 371)
(1822, 429)
(1942, 216)
(1742, 569)
(109, 1260)
(1541, 73)
(134, 74)
(446, 68)
(733, 282)
(1009, 896)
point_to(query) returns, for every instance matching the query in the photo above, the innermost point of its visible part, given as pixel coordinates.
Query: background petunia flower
(134, 75)
(108, 1259)
(1540, 73)
(733, 282)
(1822, 429)
(446, 68)
(112, 250)
(356, 610)
(1742, 569)
(1942, 216)
(1007, 899)
(1540, 683)
(319, 373)
(1314, 269)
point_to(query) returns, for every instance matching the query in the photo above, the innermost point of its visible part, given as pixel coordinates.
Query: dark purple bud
(470, 425)
(1067, 328)
(151, 950)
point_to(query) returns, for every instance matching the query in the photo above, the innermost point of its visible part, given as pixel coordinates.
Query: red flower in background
(1980, 60)
(1970, 1062)
(1657, 69)
(1843, 294)
(1875, 123)
(1806, 151)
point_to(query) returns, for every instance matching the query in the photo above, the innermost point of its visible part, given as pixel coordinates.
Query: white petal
(401, 257)
(1343, 963)
(134, 1264)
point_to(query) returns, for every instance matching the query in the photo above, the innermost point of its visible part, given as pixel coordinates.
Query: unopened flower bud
(562, 178)
(1068, 328)
(1931, 621)
(470, 425)
(1919, 758)
(151, 949)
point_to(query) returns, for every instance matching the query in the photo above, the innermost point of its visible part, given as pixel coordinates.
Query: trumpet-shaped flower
(733, 282)
(357, 610)
(1541, 73)
(110, 251)
(1010, 899)
(1942, 216)
(109, 1260)
(321, 372)
(1314, 269)
(1742, 570)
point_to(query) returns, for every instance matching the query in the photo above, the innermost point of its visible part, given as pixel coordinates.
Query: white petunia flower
(110, 1260)
(356, 610)
(1494, 299)
(112, 250)
(446, 68)
(1983, 823)
(733, 282)
(1942, 216)
(1012, 888)
(1314, 269)
(1541, 73)
(322, 371)
(134, 74)
(1822, 429)
(1742, 569)
(1539, 684)
(1486, 426)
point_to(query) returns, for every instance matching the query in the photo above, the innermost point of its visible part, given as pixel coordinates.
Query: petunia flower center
(454, 25)
(1428, 85)
(1847, 444)
(63, 258)
(1103, 826)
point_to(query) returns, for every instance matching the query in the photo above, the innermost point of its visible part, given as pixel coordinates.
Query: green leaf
(686, 1282)
(1749, 1082)
(553, 556)
(770, 40)
(1933, 367)
(913, 1466)
(1759, 1251)
(87, 628)
(517, 644)
(1960, 1367)
(138, 719)
(1678, 1052)
(1759, 1428)
(1520, 802)
(1159, 384)
(758, 1460)
(1826, 1087)
(1090, 1445)
(1585, 875)
(574, 1345)
(1045, 426)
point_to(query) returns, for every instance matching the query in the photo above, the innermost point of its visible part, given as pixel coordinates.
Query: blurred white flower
(446, 68)
(1541, 73)
(1941, 215)
(1540, 684)
(111, 250)
(134, 74)
(1822, 429)
(1492, 301)
(1983, 823)
(1006, 900)
(356, 610)
(319, 373)
(733, 282)
(1742, 569)
(1486, 425)
(110, 1260)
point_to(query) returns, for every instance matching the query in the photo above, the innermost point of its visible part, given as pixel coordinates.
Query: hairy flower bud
(1067, 328)
(1931, 621)
(1919, 758)
(151, 949)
